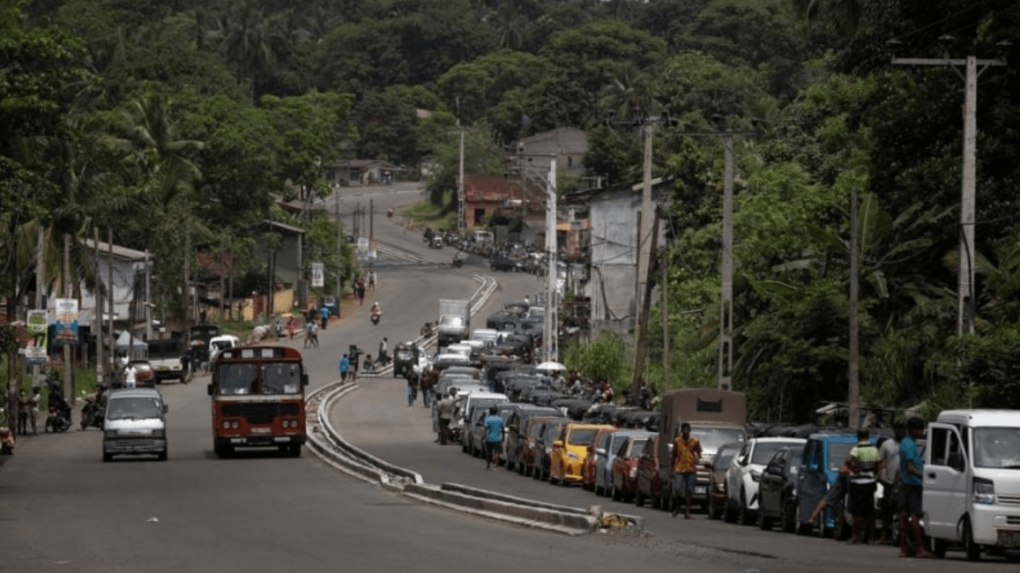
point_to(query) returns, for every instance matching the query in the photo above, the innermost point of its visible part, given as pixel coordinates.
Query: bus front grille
(259, 412)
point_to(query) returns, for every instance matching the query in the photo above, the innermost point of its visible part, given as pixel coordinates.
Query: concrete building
(612, 230)
(566, 144)
(129, 267)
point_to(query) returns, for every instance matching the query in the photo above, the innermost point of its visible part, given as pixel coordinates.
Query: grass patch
(425, 213)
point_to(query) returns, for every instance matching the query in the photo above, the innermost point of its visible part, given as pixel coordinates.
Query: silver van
(134, 424)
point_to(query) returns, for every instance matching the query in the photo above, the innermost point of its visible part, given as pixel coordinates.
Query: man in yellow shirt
(686, 453)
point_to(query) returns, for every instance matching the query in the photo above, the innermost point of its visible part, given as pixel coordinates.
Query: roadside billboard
(66, 321)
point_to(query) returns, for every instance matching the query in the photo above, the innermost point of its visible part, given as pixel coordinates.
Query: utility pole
(461, 214)
(854, 374)
(550, 336)
(666, 354)
(39, 282)
(336, 215)
(965, 292)
(68, 380)
(726, 300)
(642, 335)
(101, 372)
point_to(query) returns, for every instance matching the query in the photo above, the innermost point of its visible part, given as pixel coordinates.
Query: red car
(649, 482)
(625, 468)
(529, 454)
(601, 440)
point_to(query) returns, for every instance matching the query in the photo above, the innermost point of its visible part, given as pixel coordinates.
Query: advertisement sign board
(66, 321)
(318, 275)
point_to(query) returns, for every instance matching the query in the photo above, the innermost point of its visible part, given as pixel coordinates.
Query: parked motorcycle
(7, 440)
(458, 260)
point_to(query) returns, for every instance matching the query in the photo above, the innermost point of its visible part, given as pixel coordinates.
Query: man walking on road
(324, 314)
(493, 438)
(446, 407)
(686, 453)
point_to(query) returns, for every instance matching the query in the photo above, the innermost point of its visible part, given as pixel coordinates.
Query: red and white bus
(258, 399)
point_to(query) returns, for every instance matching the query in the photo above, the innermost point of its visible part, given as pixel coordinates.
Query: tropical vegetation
(177, 124)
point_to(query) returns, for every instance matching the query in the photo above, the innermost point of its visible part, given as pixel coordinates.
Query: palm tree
(247, 45)
(510, 26)
(628, 93)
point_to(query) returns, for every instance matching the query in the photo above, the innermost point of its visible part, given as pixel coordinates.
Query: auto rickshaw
(405, 358)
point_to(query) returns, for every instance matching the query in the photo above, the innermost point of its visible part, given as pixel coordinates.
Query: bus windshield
(237, 378)
(281, 378)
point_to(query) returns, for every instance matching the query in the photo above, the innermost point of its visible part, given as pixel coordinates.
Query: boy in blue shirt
(493, 438)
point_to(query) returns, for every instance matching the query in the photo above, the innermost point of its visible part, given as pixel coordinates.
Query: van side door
(946, 481)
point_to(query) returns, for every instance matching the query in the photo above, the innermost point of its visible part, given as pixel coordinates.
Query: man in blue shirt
(345, 367)
(493, 438)
(911, 472)
(324, 314)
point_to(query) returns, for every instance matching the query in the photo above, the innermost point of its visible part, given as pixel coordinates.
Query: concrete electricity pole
(550, 326)
(965, 294)
(461, 215)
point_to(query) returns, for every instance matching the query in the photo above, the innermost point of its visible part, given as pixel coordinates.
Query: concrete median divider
(327, 443)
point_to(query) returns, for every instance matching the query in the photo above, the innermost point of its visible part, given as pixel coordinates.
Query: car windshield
(763, 451)
(534, 430)
(222, 345)
(237, 378)
(724, 457)
(712, 438)
(605, 440)
(581, 437)
(405, 354)
(133, 409)
(997, 448)
(633, 448)
(281, 379)
(550, 433)
(451, 321)
(838, 453)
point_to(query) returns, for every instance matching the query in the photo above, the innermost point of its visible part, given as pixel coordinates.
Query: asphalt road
(63, 509)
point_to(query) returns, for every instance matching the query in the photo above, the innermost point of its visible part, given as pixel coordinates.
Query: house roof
(492, 188)
(283, 227)
(659, 185)
(122, 253)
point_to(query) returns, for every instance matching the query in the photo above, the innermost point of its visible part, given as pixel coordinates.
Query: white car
(744, 473)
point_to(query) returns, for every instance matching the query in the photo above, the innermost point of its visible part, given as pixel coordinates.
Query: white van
(134, 424)
(972, 480)
(218, 344)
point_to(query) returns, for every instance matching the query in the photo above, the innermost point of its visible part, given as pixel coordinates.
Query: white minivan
(972, 480)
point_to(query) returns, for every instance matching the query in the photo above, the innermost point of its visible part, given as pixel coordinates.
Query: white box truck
(454, 322)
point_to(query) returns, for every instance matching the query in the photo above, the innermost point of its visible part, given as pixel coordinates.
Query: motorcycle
(7, 440)
(427, 330)
(458, 262)
(59, 416)
(93, 410)
(375, 317)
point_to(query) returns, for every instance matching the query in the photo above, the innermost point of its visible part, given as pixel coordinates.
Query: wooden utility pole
(854, 374)
(109, 294)
(666, 354)
(68, 379)
(726, 300)
(642, 334)
(97, 320)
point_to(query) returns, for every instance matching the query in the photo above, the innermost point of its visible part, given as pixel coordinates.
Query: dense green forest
(177, 121)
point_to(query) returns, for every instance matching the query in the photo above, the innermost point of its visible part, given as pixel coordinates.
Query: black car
(777, 490)
(504, 263)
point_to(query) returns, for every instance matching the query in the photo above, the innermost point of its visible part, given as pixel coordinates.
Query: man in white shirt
(130, 376)
(888, 476)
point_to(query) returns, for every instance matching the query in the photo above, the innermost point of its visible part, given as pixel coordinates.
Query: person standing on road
(324, 314)
(412, 389)
(493, 438)
(291, 327)
(446, 407)
(864, 464)
(686, 453)
(889, 477)
(911, 472)
(33, 412)
(24, 405)
(345, 367)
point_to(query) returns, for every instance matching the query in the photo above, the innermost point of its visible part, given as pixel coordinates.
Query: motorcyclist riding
(458, 259)
(376, 312)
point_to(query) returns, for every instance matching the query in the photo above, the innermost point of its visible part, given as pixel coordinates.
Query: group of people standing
(897, 464)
